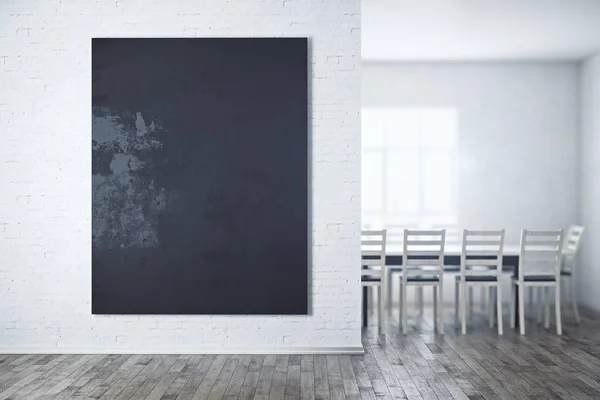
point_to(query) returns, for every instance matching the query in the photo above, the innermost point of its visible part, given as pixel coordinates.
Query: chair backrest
(373, 251)
(453, 233)
(540, 253)
(481, 249)
(572, 240)
(395, 234)
(423, 252)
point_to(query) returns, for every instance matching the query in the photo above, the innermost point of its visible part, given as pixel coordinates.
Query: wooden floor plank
(237, 380)
(117, 386)
(192, 385)
(56, 391)
(140, 378)
(349, 381)
(17, 363)
(146, 388)
(104, 373)
(279, 377)
(52, 377)
(33, 375)
(292, 380)
(307, 385)
(360, 372)
(307, 363)
(250, 383)
(163, 384)
(211, 377)
(265, 379)
(184, 376)
(220, 386)
(73, 387)
(334, 378)
(114, 378)
(321, 381)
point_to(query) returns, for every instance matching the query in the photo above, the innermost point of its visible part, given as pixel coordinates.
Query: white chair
(540, 267)
(452, 240)
(395, 240)
(423, 265)
(373, 268)
(480, 249)
(570, 249)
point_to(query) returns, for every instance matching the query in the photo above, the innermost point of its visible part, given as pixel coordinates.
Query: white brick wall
(45, 188)
(588, 273)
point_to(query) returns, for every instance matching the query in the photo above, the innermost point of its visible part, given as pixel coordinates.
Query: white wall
(45, 193)
(518, 137)
(589, 270)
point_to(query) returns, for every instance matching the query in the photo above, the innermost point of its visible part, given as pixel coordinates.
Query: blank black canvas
(199, 176)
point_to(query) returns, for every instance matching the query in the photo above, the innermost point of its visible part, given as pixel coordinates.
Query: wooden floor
(480, 365)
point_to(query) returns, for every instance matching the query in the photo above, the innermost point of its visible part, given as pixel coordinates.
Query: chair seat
(536, 278)
(422, 278)
(371, 278)
(479, 278)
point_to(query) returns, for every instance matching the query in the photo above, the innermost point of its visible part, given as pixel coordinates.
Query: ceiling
(457, 30)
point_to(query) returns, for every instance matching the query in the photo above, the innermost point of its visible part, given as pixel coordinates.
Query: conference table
(452, 254)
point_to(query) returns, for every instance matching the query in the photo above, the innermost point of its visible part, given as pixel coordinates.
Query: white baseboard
(183, 350)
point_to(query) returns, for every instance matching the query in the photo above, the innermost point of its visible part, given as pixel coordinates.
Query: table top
(453, 250)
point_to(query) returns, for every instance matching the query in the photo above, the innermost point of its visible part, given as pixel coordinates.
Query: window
(409, 167)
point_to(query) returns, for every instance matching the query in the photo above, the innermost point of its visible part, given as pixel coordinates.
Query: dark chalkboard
(199, 176)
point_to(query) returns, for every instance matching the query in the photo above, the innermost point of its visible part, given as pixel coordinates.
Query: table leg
(517, 298)
(365, 304)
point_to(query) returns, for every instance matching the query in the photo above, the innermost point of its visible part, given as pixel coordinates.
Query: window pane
(372, 127)
(402, 127)
(437, 181)
(371, 181)
(402, 184)
(439, 128)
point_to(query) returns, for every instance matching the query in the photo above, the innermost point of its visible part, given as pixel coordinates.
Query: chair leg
(483, 296)
(491, 305)
(463, 307)
(573, 294)
(522, 309)
(441, 307)
(365, 304)
(546, 307)
(557, 307)
(417, 298)
(499, 308)
(540, 304)
(530, 296)
(379, 309)
(383, 306)
(533, 299)
(435, 308)
(513, 305)
(404, 313)
(456, 300)
(389, 290)
(400, 303)
(471, 301)
(420, 299)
